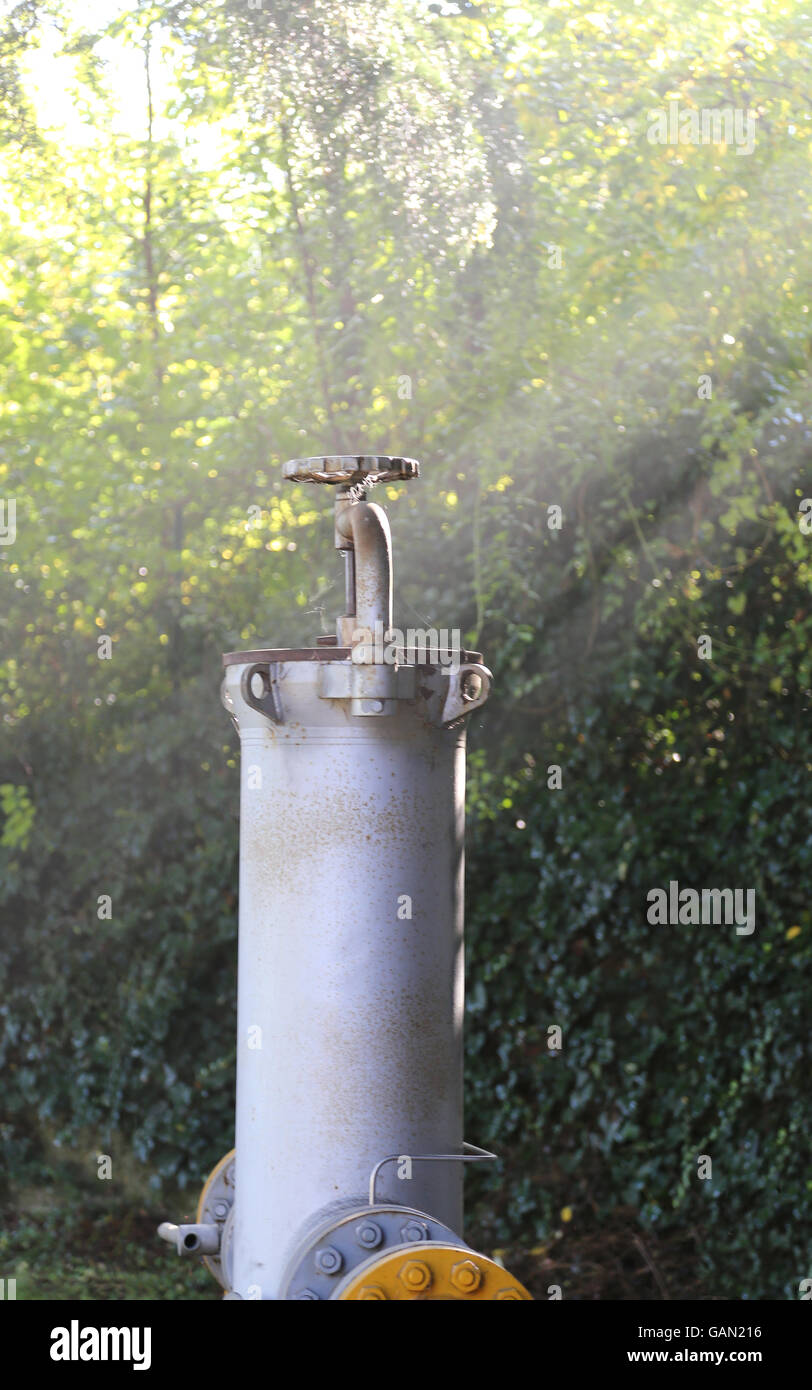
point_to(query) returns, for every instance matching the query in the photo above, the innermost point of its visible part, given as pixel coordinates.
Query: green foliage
(92, 1250)
(17, 807)
(677, 1041)
(379, 228)
(137, 1006)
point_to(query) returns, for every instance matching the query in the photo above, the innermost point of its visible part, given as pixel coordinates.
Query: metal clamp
(472, 1155)
(373, 689)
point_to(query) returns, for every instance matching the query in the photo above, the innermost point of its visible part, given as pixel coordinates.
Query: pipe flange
(432, 1272)
(351, 468)
(340, 1245)
(216, 1202)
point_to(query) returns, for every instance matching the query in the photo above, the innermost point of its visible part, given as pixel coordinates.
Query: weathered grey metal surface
(350, 1010)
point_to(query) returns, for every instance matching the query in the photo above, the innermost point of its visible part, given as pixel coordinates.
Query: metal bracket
(468, 688)
(268, 701)
(472, 1155)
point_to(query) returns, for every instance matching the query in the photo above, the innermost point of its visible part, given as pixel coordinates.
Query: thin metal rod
(472, 1155)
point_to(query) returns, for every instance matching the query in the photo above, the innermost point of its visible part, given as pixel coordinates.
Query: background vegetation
(256, 232)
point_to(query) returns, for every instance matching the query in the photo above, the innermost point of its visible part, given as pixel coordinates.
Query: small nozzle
(200, 1239)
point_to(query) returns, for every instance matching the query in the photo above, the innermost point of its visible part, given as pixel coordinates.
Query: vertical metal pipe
(366, 527)
(350, 966)
(350, 972)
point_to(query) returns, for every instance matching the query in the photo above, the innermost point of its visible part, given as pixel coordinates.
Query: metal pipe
(349, 1135)
(363, 527)
(350, 984)
(194, 1239)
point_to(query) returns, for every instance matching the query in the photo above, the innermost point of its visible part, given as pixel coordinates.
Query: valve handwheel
(351, 469)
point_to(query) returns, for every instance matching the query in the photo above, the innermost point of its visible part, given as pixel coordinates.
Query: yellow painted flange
(213, 1264)
(431, 1271)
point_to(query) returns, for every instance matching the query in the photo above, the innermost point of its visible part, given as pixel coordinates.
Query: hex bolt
(221, 1210)
(471, 686)
(414, 1231)
(306, 1296)
(329, 1260)
(508, 1293)
(415, 1274)
(369, 1234)
(372, 1291)
(466, 1276)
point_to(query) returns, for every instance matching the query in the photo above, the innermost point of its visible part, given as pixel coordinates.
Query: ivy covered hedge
(676, 1041)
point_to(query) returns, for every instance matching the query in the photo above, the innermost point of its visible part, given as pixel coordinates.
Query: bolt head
(372, 1291)
(329, 1260)
(306, 1296)
(414, 1231)
(221, 1210)
(369, 1234)
(415, 1274)
(508, 1293)
(466, 1276)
